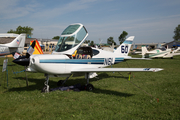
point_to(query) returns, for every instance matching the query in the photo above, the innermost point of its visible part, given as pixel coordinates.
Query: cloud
(10, 9)
(63, 9)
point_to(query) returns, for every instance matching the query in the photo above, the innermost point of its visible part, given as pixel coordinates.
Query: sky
(148, 20)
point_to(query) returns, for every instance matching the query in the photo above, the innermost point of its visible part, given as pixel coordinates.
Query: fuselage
(159, 53)
(62, 64)
(62, 61)
(4, 50)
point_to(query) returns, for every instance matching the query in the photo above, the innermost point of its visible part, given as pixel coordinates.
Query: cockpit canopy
(71, 38)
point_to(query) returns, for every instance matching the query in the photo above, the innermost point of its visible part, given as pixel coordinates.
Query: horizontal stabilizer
(117, 70)
(137, 59)
(174, 54)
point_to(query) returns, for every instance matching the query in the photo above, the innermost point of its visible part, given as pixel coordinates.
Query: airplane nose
(34, 60)
(22, 61)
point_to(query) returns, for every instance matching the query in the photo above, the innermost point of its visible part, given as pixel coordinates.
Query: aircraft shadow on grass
(39, 84)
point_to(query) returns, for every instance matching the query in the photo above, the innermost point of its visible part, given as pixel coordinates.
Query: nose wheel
(46, 87)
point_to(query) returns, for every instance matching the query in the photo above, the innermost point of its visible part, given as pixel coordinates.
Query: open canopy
(71, 38)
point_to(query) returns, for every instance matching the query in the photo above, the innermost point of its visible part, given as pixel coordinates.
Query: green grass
(114, 96)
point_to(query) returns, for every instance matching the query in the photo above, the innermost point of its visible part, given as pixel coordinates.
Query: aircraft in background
(17, 45)
(164, 53)
(111, 48)
(61, 63)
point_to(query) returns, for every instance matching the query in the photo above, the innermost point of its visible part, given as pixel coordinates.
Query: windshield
(70, 29)
(66, 43)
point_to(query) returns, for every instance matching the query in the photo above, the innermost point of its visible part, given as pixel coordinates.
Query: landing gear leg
(89, 87)
(61, 82)
(46, 87)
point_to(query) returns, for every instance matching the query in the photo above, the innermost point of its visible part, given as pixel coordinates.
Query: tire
(89, 87)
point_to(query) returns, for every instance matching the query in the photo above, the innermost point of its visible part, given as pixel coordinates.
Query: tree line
(110, 40)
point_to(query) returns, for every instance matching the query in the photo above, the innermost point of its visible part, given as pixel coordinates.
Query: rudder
(124, 48)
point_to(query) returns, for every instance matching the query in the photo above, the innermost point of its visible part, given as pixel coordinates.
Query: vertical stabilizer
(144, 50)
(124, 48)
(37, 47)
(17, 45)
(22, 43)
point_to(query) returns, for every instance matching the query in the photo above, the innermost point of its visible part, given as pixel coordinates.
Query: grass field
(114, 96)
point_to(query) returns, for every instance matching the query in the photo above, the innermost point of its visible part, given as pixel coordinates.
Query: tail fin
(144, 50)
(124, 48)
(17, 44)
(37, 47)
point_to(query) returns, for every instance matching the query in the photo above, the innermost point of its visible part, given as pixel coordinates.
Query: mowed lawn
(147, 95)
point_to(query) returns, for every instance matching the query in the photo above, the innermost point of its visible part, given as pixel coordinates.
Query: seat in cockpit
(86, 57)
(78, 56)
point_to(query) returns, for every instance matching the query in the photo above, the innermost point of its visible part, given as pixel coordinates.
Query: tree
(122, 37)
(110, 41)
(20, 29)
(56, 37)
(92, 43)
(177, 33)
(87, 41)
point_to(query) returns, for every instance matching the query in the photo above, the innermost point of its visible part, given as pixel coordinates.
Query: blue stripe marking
(74, 61)
(127, 42)
(117, 60)
(79, 61)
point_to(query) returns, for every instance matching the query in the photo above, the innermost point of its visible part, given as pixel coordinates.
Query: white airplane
(87, 60)
(164, 53)
(17, 45)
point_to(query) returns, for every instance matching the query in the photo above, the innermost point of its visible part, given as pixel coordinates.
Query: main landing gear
(88, 87)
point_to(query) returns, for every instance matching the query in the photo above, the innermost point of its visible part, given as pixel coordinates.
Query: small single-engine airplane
(163, 53)
(17, 45)
(87, 59)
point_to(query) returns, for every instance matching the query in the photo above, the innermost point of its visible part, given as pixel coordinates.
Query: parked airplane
(111, 48)
(87, 60)
(164, 53)
(17, 45)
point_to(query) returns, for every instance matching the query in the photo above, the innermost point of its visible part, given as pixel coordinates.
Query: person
(73, 55)
(77, 87)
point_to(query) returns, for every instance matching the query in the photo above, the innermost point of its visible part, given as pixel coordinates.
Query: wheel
(89, 87)
(44, 90)
(171, 57)
(60, 82)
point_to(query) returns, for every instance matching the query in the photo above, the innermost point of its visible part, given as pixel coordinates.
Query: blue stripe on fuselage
(79, 61)
(117, 60)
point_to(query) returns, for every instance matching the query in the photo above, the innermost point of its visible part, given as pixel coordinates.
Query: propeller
(24, 60)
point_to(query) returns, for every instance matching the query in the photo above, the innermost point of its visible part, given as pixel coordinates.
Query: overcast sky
(148, 20)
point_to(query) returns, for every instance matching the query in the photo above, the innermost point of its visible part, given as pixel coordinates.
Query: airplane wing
(117, 70)
(174, 54)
